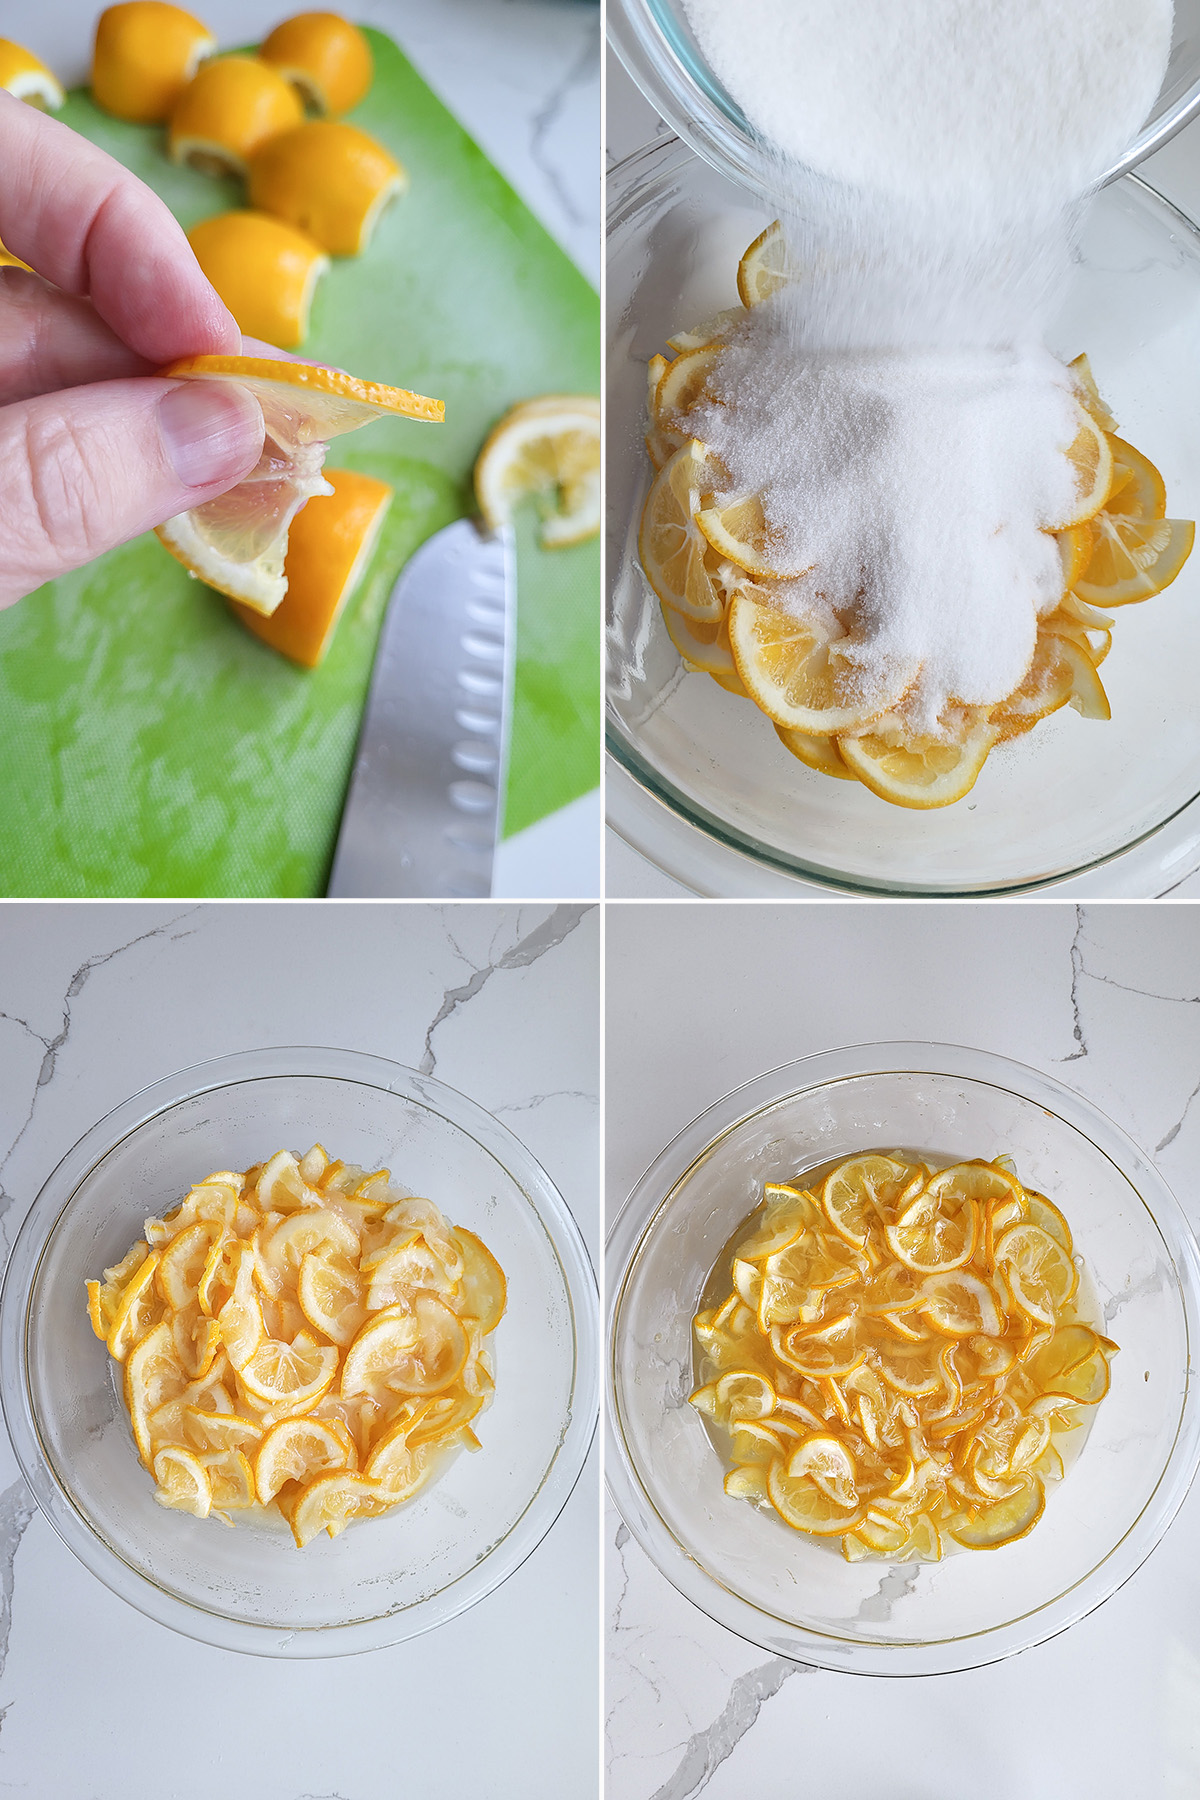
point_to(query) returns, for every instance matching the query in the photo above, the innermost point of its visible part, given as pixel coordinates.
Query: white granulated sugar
(894, 404)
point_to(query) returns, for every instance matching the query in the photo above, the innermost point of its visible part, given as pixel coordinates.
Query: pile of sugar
(895, 404)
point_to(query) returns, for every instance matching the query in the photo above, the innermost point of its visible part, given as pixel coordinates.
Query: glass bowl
(658, 47)
(249, 1588)
(795, 1595)
(1070, 797)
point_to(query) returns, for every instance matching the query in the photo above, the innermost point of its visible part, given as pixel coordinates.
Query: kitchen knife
(423, 810)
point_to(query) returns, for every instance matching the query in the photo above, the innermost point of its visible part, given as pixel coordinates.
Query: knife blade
(423, 809)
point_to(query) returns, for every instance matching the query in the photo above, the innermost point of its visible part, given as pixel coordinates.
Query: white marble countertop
(1107, 999)
(630, 122)
(98, 1702)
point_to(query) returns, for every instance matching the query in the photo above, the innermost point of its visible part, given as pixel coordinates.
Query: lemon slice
(1047, 686)
(1041, 1275)
(139, 1308)
(1134, 558)
(237, 542)
(26, 78)
(1091, 458)
(417, 1352)
(794, 674)
(330, 1294)
(673, 552)
(937, 1230)
(710, 331)
(863, 1189)
(1138, 491)
(293, 1374)
(765, 267)
(241, 1319)
(703, 647)
(1088, 394)
(146, 53)
(318, 1227)
(331, 1502)
(327, 179)
(197, 1339)
(216, 1431)
(230, 1480)
(183, 1482)
(484, 1294)
(1075, 546)
(680, 388)
(104, 1297)
(296, 1450)
(184, 1260)
(399, 1466)
(1003, 1523)
(326, 58)
(1045, 1214)
(152, 1377)
(920, 772)
(739, 531)
(804, 1506)
(820, 753)
(547, 449)
(231, 107)
(961, 1304)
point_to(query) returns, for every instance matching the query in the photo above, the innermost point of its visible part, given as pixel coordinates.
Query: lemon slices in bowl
(724, 576)
(902, 1359)
(301, 1337)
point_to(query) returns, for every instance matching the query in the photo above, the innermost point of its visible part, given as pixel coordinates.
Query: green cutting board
(149, 745)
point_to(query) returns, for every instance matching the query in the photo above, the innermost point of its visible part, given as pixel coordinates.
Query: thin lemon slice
(549, 450)
(827, 1463)
(819, 753)
(765, 267)
(325, 58)
(237, 543)
(1047, 686)
(920, 772)
(1002, 1523)
(710, 331)
(26, 78)
(961, 1304)
(674, 553)
(1040, 1273)
(1138, 491)
(216, 1431)
(104, 1297)
(739, 530)
(183, 1482)
(152, 1377)
(484, 1291)
(937, 1230)
(1088, 394)
(184, 1260)
(140, 1307)
(681, 386)
(396, 1463)
(1134, 558)
(704, 647)
(146, 53)
(415, 1352)
(1075, 546)
(241, 1319)
(317, 1227)
(297, 1450)
(330, 1293)
(1090, 456)
(1087, 695)
(331, 1502)
(788, 1212)
(794, 674)
(804, 1506)
(289, 1374)
(864, 1189)
(1045, 1214)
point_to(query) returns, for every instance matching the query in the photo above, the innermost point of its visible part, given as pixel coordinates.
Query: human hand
(94, 448)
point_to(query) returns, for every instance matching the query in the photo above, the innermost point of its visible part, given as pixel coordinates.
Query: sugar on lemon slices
(303, 1337)
(901, 1359)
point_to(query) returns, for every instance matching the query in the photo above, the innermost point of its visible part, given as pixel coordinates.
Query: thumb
(87, 468)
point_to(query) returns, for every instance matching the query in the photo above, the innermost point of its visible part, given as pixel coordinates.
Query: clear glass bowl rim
(704, 115)
(626, 183)
(361, 1069)
(649, 1200)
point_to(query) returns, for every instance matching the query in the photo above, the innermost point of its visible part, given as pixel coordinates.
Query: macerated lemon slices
(547, 450)
(303, 1337)
(238, 542)
(900, 1361)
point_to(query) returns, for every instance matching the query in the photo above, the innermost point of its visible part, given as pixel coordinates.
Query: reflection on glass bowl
(795, 1595)
(249, 1588)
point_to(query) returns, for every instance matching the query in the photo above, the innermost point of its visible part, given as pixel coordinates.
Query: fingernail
(211, 431)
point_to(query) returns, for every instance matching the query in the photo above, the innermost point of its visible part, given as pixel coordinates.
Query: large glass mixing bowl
(795, 1595)
(1072, 795)
(249, 1588)
(657, 46)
